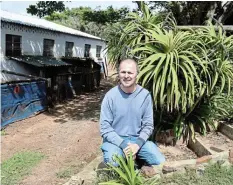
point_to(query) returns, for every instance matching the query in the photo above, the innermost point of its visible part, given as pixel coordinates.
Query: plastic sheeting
(22, 100)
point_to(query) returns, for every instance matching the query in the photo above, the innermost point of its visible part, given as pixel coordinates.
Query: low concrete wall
(226, 130)
(199, 148)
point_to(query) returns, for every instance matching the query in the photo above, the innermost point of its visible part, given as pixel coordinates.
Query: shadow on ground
(83, 107)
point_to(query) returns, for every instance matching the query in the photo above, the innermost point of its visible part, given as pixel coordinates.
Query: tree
(195, 12)
(95, 22)
(110, 15)
(43, 8)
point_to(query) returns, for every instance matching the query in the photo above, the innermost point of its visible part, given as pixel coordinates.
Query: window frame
(68, 49)
(11, 49)
(98, 51)
(87, 53)
(50, 51)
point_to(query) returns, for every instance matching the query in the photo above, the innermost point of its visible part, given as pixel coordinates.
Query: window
(98, 51)
(87, 50)
(48, 47)
(13, 45)
(69, 49)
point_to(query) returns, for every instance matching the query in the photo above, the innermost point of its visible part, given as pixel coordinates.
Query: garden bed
(178, 152)
(216, 142)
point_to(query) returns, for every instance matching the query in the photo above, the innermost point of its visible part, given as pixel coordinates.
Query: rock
(216, 149)
(168, 169)
(203, 159)
(200, 170)
(87, 176)
(181, 163)
(148, 171)
(181, 170)
(231, 153)
(158, 168)
(226, 164)
(220, 156)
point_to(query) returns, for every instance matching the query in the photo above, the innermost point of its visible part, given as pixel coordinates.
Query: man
(126, 119)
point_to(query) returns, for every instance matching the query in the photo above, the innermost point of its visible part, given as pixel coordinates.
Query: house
(33, 53)
(27, 35)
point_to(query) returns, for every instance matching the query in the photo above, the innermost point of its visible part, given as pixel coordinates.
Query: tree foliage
(110, 15)
(43, 8)
(95, 22)
(195, 12)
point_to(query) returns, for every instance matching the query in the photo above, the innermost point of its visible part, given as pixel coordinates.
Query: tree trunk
(227, 8)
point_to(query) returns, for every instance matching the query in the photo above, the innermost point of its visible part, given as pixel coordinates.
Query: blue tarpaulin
(22, 100)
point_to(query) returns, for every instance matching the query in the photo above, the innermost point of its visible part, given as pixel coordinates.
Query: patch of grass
(68, 172)
(3, 133)
(214, 174)
(105, 176)
(18, 166)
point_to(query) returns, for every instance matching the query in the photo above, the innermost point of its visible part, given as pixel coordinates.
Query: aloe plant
(127, 174)
(184, 70)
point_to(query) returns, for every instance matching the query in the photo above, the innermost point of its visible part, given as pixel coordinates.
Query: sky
(20, 6)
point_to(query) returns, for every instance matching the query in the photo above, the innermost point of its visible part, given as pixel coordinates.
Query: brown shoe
(148, 171)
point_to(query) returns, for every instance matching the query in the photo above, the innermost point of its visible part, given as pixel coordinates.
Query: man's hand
(131, 148)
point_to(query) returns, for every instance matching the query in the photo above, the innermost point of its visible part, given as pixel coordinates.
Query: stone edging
(88, 175)
(226, 130)
(169, 167)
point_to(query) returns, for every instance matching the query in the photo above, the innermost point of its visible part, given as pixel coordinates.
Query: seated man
(126, 119)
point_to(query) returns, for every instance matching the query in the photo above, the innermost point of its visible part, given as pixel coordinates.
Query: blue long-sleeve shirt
(124, 114)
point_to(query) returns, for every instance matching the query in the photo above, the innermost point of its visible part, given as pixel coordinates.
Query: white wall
(32, 44)
(32, 40)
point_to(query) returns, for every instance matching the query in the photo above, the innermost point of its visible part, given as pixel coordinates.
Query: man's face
(127, 73)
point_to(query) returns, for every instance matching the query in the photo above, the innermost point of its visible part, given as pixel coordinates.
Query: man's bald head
(128, 60)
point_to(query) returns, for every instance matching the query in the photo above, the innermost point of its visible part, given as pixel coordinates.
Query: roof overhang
(40, 61)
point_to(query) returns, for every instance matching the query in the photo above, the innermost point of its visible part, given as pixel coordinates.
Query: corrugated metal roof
(40, 61)
(41, 23)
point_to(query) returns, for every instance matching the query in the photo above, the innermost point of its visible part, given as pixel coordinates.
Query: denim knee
(109, 151)
(150, 154)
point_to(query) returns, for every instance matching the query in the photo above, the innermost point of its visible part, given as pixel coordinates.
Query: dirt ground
(68, 135)
(178, 152)
(217, 140)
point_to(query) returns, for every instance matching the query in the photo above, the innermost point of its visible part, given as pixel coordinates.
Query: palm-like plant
(184, 70)
(218, 55)
(170, 68)
(123, 36)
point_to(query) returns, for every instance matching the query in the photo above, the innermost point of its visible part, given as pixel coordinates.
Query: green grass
(18, 166)
(213, 175)
(68, 172)
(3, 133)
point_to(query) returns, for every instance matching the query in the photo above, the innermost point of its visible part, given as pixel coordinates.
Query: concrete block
(226, 130)
(203, 159)
(181, 163)
(220, 156)
(199, 148)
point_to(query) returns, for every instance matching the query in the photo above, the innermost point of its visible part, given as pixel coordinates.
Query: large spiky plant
(124, 35)
(184, 70)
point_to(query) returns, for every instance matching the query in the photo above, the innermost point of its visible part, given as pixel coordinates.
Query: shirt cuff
(140, 142)
(123, 145)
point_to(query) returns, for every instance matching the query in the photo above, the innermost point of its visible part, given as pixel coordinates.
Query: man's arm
(147, 122)
(106, 119)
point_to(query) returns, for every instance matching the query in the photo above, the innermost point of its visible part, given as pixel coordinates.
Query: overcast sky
(20, 6)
